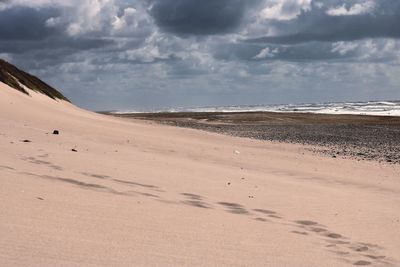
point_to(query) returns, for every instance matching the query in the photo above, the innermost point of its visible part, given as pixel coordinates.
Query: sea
(376, 108)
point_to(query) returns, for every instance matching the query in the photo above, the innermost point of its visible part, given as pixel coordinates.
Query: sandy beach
(111, 191)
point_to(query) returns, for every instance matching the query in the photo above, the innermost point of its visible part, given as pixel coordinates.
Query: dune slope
(140, 194)
(20, 80)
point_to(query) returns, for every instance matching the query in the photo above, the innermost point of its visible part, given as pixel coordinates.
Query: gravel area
(361, 137)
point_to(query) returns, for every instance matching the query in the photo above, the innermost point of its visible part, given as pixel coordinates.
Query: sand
(361, 137)
(141, 194)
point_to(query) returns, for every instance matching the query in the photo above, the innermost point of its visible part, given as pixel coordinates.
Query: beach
(360, 137)
(119, 191)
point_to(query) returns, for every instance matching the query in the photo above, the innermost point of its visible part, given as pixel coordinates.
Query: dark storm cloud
(199, 17)
(23, 30)
(60, 43)
(318, 25)
(25, 23)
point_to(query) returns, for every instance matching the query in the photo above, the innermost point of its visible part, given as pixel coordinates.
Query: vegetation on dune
(14, 77)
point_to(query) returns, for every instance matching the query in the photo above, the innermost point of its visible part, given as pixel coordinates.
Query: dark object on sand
(56, 132)
(26, 141)
(74, 150)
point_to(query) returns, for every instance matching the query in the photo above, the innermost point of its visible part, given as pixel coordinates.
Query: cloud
(357, 9)
(332, 24)
(266, 53)
(25, 23)
(70, 27)
(343, 48)
(108, 54)
(199, 17)
(285, 10)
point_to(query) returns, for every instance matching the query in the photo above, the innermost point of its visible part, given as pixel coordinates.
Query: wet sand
(347, 136)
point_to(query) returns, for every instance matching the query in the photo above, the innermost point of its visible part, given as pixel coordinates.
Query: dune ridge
(20, 80)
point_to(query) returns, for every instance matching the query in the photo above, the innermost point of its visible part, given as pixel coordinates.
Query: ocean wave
(378, 108)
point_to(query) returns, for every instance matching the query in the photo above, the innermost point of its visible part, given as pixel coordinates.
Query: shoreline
(361, 137)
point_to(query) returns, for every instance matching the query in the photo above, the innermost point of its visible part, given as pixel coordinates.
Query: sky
(131, 54)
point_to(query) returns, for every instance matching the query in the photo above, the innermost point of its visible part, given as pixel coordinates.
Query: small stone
(74, 150)
(26, 141)
(56, 132)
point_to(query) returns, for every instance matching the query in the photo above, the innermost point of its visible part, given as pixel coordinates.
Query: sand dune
(141, 194)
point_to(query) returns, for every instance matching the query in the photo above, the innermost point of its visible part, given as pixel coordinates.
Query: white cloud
(82, 17)
(284, 9)
(356, 9)
(370, 50)
(319, 4)
(343, 47)
(266, 53)
(38, 3)
(154, 48)
(91, 16)
(126, 19)
(53, 22)
(380, 49)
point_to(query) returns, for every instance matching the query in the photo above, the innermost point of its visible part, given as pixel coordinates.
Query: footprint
(234, 208)
(338, 242)
(274, 216)
(265, 211)
(375, 257)
(371, 245)
(299, 233)
(6, 168)
(197, 204)
(306, 223)
(318, 230)
(261, 219)
(334, 236)
(195, 200)
(341, 253)
(362, 263)
(192, 196)
(359, 248)
(98, 176)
